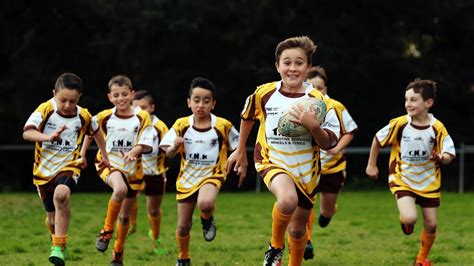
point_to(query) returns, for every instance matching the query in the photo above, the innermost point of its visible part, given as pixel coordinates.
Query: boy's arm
(35, 135)
(100, 141)
(173, 149)
(372, 171)
(442, 158)
(239, 156)
(342, 143)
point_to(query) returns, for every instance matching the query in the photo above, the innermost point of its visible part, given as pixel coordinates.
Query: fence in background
(461, 153)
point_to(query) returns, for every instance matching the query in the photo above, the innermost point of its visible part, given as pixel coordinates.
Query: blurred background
(370, 49)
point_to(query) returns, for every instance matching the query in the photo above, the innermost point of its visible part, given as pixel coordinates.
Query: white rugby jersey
(121, 135)
(53, 157)
(298, 155)
(204, 154)
(154, 163)
(335, 163)
(410, 167)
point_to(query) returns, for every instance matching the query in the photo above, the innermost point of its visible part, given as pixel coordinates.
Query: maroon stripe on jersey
(399, 133)
(104, 123)
(183, 131)
(40, 178)
(265, 99)
(393, 184)
(257, 153)
(392, 166)
(291, 94)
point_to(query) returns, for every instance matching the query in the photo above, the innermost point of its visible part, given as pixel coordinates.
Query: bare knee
(206, 206)
(183, 229)
(430, 227)
(288, 204)
(154, 212)
(120, 193)
(409, 219)
(124, 219)
(296, 231)
(61, 196)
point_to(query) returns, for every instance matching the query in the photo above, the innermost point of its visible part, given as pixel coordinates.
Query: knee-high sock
(113, 210)
(309, 227)
(297, 247)
(122, 231)
(59, 241)
(133, 213)
(49, 226)
(155, 224)
(280, 222)
(183, 246)
(426, 242)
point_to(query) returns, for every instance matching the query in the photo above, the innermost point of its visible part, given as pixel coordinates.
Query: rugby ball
(288, 128)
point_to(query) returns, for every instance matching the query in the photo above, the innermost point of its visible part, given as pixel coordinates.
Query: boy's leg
(123, 224)
(133, 218)
(116, 182)
(428, 235)
(206, 203)
(327, 207)
(408, 213)
(283, 187)
(297, 235)
(185, 215)
(62, 214)
(309, 249)
(49, 221)
(154, 190)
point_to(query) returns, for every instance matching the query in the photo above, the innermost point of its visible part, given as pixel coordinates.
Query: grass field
(365, 231)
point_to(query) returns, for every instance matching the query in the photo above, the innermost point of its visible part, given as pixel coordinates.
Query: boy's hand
(56, 135)
(372, 172)
(178, 142)
(83, 164)
(304, 118)
(104, 163)
(131, 155)
(240, 160)
(437, 157)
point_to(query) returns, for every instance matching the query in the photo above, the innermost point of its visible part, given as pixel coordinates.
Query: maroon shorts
(422, 201)
(46, 191)
(331, 183)
(154, 185)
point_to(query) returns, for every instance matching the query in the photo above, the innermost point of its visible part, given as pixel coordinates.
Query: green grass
(365, 231)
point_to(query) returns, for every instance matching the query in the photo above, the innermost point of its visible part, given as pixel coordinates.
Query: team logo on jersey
(213, 142)
(135, 130)
(188, 141)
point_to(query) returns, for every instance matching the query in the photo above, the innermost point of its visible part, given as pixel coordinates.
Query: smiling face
(201, 102)
(121, 97)
(415, 105)
(293, 66)
(66, 99)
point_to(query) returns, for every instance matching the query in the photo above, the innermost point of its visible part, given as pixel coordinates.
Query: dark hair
(144, 94)
(202, 83)
(317, 71)
(427, 88)
(68, 81)
(303, 42)
(120, 80)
